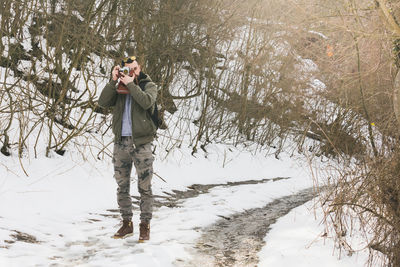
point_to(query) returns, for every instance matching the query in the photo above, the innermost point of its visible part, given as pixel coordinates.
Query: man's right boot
(125, 230)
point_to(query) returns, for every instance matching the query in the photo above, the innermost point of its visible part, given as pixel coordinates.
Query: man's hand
(115, 72)
(125, 79)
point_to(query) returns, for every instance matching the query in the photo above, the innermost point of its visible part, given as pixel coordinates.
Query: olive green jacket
(143, 128)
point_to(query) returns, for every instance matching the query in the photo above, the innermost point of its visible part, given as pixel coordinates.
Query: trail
(178, 229)
(236, 240)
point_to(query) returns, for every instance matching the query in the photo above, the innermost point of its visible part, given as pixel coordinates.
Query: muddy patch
(176, 198)
(236, 240)
(22, 237)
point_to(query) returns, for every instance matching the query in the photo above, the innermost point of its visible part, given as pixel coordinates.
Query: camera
(122, 89)
(126, 71)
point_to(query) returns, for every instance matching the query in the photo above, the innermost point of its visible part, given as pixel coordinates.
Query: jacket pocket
(141, 123)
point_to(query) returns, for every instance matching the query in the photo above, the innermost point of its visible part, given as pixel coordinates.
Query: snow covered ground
(64, 213)
(296, 240)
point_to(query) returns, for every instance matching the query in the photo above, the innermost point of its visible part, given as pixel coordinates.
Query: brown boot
(125, 230)
(144, 228)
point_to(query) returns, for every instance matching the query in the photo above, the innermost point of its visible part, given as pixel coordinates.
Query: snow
(69, 205)
(298, 239)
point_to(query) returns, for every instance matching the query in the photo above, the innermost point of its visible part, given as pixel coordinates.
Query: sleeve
(145, 98)
(108, 96)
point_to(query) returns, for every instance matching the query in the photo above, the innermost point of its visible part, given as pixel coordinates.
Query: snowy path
(236, 240)
(176, 227)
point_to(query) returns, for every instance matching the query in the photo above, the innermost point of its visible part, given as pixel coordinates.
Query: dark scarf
(141, 76)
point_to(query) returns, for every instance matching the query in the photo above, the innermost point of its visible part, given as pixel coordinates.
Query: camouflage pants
(124, 155)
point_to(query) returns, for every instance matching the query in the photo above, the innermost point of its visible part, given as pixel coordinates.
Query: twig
(159, 177)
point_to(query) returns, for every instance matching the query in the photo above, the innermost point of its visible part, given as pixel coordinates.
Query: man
(134, 132)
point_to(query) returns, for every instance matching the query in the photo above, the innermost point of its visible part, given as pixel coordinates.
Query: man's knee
(145, 189)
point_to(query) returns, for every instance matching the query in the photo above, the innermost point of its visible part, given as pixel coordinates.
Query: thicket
(56, 56)
(361, 78)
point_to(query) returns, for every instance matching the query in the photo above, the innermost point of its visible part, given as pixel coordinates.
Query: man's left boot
(144, 231)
